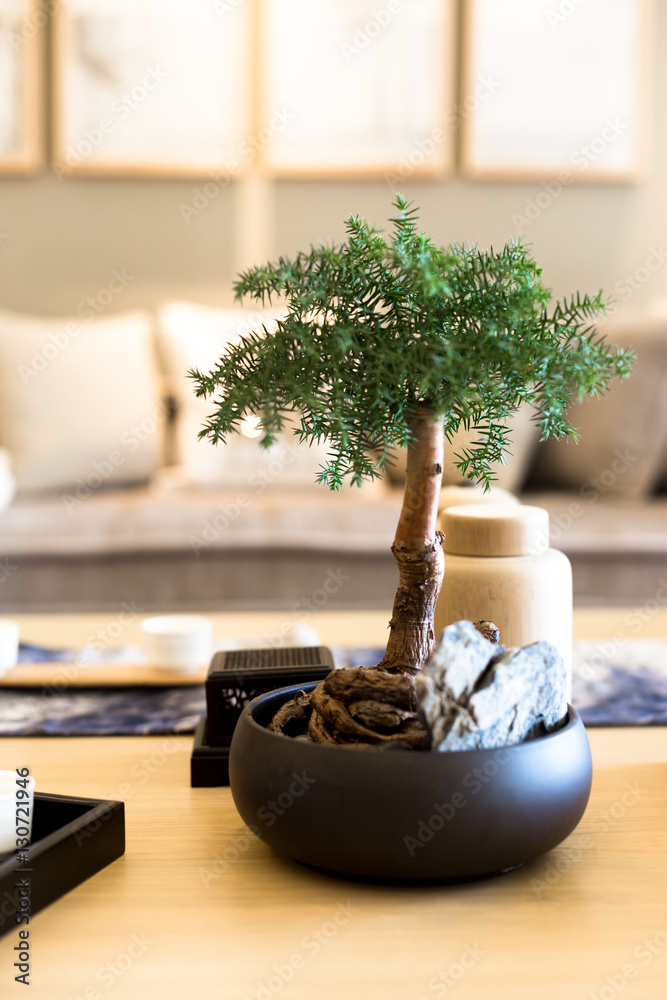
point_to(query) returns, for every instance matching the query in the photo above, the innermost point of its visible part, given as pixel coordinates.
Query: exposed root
(488, 630)
(357, 706)
(297, 708)
(378, 714)
(372, 684)
(362, 706)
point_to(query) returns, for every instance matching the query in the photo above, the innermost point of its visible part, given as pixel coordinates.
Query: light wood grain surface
(351, 628)
(197, 906)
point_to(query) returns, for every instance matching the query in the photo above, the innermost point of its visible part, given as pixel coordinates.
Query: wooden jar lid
(495, 530)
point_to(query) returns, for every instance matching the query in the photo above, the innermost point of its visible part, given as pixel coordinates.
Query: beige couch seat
(120, 503)
(195, 519)
(617, 546)
(168, 547)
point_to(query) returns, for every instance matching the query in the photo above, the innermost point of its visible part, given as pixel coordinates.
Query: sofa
(111, 500)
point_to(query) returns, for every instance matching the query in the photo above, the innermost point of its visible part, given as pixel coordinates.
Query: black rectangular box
(209, 765)
(237, 676)
(72, 839)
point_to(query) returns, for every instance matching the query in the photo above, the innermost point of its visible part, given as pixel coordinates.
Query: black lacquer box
(234, 678)
(72, 839)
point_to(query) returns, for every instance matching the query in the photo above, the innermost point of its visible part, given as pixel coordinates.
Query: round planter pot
(405, 815)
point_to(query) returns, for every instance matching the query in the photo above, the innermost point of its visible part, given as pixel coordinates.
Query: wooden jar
(499, 567)
(454, 496)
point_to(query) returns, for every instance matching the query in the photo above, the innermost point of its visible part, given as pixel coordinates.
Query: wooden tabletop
(199, 907)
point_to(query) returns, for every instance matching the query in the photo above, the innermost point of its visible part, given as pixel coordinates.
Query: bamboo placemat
(72, 675)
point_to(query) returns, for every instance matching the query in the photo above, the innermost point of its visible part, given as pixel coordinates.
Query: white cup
(16, 809)
(9, 644)
(181, 643)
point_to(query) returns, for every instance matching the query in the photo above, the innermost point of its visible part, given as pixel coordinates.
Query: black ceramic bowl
(401, 814)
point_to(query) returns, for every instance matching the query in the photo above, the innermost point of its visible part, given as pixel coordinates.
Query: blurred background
(64, 233)
(151, 150)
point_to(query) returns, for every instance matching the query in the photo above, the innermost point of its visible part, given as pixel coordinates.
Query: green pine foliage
(379, 324)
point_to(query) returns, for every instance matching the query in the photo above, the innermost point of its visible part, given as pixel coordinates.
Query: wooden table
(198, 907)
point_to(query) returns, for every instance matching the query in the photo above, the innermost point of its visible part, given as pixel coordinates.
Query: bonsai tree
(392, 341)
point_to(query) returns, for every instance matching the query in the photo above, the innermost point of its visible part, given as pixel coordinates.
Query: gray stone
(456, 666)
(460, 656)
(471, 695)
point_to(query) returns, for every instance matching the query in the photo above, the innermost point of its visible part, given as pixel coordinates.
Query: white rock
(474, 695)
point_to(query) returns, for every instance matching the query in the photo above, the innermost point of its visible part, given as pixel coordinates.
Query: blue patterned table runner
(626, 686)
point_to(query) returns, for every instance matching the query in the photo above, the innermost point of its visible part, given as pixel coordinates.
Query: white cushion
(7, 481)
(79, 401)
(194, 336)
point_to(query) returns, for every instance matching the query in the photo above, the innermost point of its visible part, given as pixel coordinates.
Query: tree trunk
(377, 705)
(417, 548)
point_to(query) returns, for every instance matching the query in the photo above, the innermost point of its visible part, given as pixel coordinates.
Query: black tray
(72, 839)
(234, 678)
(209, 765)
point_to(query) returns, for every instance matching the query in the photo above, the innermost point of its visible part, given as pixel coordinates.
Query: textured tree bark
(417, 549)
(376, 705)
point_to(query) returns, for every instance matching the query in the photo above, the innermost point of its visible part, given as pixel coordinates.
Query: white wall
(61, 240)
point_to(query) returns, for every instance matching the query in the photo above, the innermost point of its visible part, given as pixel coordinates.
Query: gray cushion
(624, 433)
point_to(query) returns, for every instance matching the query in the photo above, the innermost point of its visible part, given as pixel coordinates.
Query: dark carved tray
(234, 678)
(209, 764)
(72, 839)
